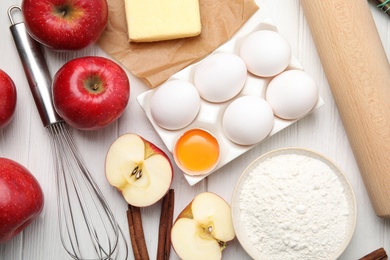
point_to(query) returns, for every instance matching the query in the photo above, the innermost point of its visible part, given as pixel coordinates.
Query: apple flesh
(21, 199)
(139, 169)
(65, 24)
(7, 99)
(90, 92)
(203, 228)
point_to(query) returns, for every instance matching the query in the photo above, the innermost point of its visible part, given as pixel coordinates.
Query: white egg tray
(210, 114)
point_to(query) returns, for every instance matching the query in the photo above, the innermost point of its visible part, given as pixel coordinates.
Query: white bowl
(240, 222)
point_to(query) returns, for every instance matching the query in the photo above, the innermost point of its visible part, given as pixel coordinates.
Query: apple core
(196, 152)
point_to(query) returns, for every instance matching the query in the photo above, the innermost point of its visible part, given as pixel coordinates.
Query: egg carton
(210, 114)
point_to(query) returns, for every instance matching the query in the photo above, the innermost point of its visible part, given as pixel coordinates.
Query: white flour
(294, 207)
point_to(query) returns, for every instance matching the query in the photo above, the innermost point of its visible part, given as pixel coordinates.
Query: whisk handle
(36, 70)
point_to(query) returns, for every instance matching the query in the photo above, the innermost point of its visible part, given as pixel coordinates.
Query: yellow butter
(157, 20)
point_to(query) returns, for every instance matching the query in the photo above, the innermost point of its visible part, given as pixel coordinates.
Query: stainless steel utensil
(88, 229)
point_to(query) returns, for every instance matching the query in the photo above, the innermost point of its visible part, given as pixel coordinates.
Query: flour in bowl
(294, 207)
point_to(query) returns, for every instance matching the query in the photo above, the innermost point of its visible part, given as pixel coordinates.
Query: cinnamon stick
(137, 236)
(379, 254)
(166, 219)
(171, 207)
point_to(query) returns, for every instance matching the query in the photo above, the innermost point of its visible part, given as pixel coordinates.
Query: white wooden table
(26, 141)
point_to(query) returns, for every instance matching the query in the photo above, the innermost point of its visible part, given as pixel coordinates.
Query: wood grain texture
(26, 141)
(358, 72)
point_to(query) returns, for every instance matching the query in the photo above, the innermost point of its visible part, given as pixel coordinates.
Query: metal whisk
(88, 229)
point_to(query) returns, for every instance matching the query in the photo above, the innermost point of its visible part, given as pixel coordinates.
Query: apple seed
(137, 172)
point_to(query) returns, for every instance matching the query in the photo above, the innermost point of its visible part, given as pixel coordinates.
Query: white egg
(175, 104)
(292, 94)
(266, 53)
(248, 120)
(220, 77)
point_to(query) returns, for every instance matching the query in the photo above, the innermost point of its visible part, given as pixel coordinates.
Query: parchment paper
(155, 62)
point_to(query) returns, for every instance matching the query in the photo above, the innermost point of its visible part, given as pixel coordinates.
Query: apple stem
(62, 11)
(221, 243)
(137, 172)
(95, 86)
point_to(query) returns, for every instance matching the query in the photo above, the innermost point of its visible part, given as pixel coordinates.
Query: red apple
(21, 199)
(90, 92)
(7, 99)
(139, 169)
(65, 24)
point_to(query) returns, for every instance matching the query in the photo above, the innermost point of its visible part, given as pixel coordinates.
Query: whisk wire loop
(67, 142)
(79, 195)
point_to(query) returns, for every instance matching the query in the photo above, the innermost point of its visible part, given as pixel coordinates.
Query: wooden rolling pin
(358, 73)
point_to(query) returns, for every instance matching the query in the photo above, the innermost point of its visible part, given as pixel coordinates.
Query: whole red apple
(21, 199)
(90, 92)
(7, 99)
(65, 24)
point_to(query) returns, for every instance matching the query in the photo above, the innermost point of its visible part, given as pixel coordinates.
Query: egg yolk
(197, 151)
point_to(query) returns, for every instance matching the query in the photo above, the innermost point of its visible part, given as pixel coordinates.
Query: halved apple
(203, 228)
(139, 169)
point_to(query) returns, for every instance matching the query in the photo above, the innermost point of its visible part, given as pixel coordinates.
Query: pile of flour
(294, 207)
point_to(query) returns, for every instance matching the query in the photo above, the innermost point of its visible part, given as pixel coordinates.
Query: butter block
(158, 20)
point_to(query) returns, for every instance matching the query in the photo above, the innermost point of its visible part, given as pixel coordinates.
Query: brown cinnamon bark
(166, 219)
(137, 236)
(379, 254)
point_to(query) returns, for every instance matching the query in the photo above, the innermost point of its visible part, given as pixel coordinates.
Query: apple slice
(139, 169)
(203, 228)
